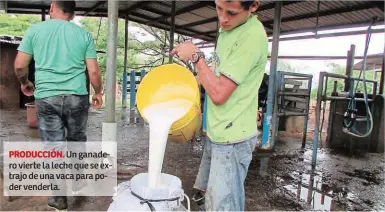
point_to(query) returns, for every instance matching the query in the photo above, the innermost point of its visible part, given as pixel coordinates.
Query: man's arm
(24, 56)
(93, 66)
(21, 66)
(219, 88)
(94, 75)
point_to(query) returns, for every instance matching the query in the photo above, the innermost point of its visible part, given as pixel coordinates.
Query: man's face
(231, 13)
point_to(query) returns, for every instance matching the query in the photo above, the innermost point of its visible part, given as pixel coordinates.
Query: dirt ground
(280, 180)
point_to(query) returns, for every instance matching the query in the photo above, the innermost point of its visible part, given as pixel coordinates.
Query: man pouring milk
(232, 88)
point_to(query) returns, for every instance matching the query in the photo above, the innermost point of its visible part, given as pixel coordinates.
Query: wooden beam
(96, 6)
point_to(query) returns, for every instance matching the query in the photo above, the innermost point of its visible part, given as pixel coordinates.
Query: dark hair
(246, 3)
(67, 6)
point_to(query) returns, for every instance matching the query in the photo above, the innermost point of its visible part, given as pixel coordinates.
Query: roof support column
(124, 90)
(172, 30)
(111, 60)
(269, 124)
(109, 125)
(43, 15)
(382, 77)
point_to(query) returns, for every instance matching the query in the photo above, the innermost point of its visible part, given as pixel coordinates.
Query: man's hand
(27, 88)
(184, 51)
(97, 101)
(259, 116)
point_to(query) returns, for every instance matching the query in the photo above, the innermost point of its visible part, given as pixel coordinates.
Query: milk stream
(160, 117)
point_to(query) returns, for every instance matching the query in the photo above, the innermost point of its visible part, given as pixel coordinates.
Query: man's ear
(51, 8)
(254, 6)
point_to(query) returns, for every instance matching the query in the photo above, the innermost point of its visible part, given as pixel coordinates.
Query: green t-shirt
(241, 55)
(59, 49)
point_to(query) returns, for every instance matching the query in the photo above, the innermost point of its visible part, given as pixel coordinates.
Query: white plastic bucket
(126, 198)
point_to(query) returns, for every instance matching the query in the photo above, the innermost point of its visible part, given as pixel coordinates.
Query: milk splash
(160, 117)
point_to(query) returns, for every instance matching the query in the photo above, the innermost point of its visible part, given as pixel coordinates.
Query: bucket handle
(148, 201)
(188, 202)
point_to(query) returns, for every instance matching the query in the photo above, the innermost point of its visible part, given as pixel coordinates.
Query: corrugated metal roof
(198, 18)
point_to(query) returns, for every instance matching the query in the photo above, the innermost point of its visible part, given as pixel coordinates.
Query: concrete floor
(276, 181)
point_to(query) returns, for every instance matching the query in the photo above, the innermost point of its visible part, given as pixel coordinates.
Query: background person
(62, 51)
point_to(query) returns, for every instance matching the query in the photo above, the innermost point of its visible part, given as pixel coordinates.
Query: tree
(282, 65)
(142, 55)
(158, 49)
(98, 28)
(16, 25)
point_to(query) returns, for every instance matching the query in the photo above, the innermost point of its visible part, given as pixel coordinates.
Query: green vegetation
(16, 24)
(98, 28)
(286, 67)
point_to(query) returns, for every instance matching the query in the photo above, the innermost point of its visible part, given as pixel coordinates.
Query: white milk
(160, 117)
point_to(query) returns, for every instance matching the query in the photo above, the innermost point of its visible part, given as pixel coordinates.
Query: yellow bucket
(168, 82)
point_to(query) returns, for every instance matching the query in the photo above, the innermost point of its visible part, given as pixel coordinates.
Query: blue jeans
(222, 174)
(56, 114)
